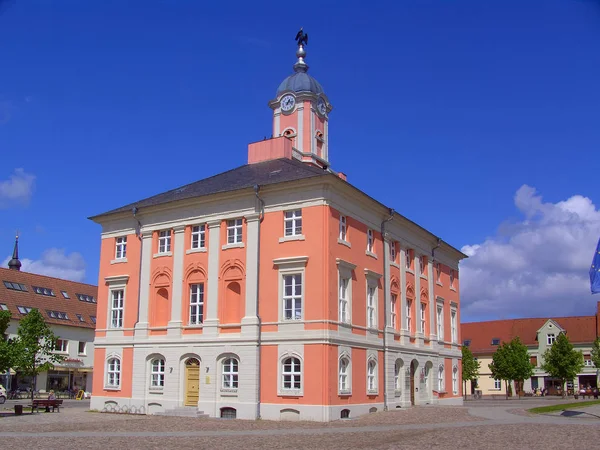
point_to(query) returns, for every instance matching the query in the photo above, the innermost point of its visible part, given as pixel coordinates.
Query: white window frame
(441, 382)
(393, 314)
(230, 367)
(407, 259)
(370, 241)
(345, 270)
(113, 372)
(198, 237)
(438, 273)
(296, 310)
(120, 247)
(117, 308)
(371, 306)
(293, 370)
(422, 264)
(196, 311)
(292, 223)
(498, 384)
(235, 229)
(452, 276)
(64, 345)
(84, 352)
(164, 242)
(408, 314)
(454, 326)
(295, 265)
(588, 362)
(372, 379)
(455, 380)
(398, 371)
(550, 338)
(423, 309)
(343, 228)
(157, 373)
(344, 375)
(440, 321)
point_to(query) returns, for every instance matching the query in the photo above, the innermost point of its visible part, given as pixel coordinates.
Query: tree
(470, 368)
(511, 363)
(34, 347)
(6, 347)
(596, 353)
(562, 361)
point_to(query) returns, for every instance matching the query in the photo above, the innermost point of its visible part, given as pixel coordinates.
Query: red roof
(52, 307)
(579, 330)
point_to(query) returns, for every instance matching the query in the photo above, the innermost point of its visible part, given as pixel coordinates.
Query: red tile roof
(71, 306)
(579, 330)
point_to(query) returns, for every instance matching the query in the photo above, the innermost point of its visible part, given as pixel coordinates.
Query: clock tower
(301, 111)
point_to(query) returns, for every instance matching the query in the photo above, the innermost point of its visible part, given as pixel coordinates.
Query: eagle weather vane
(302, 38)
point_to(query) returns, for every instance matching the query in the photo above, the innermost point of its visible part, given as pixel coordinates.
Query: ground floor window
(228, 413)
(498, 384)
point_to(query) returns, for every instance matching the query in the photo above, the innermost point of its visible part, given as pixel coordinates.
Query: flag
(595, 271)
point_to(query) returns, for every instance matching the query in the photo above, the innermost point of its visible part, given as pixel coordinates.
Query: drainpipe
(138, 233)
(261, 216)
(386, 312)
(438, 245)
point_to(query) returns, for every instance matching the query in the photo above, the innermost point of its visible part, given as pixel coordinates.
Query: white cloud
(538, 266)
(17, 189)
(55, 263)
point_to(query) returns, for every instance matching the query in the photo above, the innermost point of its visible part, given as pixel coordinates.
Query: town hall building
(275, 290)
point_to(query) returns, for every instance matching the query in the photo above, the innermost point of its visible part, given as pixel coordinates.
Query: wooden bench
(47, 404)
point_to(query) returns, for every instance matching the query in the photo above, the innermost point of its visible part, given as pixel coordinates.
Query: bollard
(18, 410)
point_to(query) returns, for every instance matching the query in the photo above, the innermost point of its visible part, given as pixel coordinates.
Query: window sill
(229, 392)
(291, 320)
(409, 271)
(395, 264)
(438, 283)
(194, 325)
(372, 392)
(345, 393)
(156, 390)
(119, 261)
(452, 288)
(112, 388)
(297, 237)
(81, 354)
(196, 250)
(234, 245)
(424, 277)
(344, 242)
(160, 255)
(397, 393)
(371, 254)
(290, 393)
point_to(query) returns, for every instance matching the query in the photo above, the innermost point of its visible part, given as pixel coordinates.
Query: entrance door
(413, 369)
(192, 382)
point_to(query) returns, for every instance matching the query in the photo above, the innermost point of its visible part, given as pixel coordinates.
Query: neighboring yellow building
(538, 334)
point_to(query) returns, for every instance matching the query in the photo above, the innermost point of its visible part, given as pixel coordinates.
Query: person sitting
(51, 395)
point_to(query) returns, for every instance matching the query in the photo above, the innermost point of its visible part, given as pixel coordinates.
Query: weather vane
(301, 38)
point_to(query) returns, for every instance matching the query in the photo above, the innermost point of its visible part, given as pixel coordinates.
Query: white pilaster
(300, 132)
(276, 123)
(417, 302)
(211, 322)
(404, 333)
(141, 327)
(432, 307)
(175, 324)
(250, 319)
(313, 133)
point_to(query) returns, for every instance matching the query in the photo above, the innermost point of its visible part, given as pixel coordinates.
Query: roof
(244, 177)
(13, 296)
(300, 82)
(581, 329)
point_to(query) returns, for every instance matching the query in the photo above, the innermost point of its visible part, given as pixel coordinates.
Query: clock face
(287, 103)
(321, 106)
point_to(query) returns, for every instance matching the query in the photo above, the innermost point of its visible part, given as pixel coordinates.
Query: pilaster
(417, 302)
(300, 130)
(141, 327)
(250, 320)
(211, 322)
(404, 333)
(175, 324)
(432, 307)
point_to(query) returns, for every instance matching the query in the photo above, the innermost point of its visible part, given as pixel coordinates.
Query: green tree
(6, 347)
(470, 368)
(596, 353)
(511, 363)
(562, 361)
(34, 347)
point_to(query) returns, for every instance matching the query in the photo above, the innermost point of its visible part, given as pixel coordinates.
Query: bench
(47, 404)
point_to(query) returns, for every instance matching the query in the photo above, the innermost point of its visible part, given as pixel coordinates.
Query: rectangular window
(199, 236)
(164, 241)
(455, 380)
(116, 309)
(293, 223)
(423, 306)
(533, 360)
(15, 286)
(371, 308)
(61, 346)
(81, 348)
(587, 360)
(43, 291)
(3, 307)
(452, 279)
(453, 329)
(196, 303)
(370, 240)
(495, 341)
(80, 317)
(438, 272)
(292, 297)
(467, 342)
(343, 228)
(498, 384)
(158, 373)
(343, 298)
(230, 374)
(394, 317)
(121, 247)
(550, 339)
(440, 322)
(93, 319)
(441, 383)
(408, 258)
(234, 231)
(408, 315)
(65, 294)
(422, 264)
(23, 309)
(113, 372)
(393, 251)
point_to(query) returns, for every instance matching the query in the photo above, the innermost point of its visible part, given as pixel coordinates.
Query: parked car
(2, 394)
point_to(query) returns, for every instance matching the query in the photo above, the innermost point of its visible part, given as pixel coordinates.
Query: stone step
(185, 411)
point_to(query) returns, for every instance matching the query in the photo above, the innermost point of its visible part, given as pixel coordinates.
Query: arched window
(113, 372)
(344, 374)
(397, 376)
(291, 374)
(230, 374)
(441, 378)
(455, 380)
(157, 373)
(372, 376)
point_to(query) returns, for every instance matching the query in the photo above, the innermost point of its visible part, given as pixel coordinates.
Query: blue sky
(488, 111)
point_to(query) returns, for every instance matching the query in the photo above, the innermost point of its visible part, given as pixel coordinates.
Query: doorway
(192, 382)
(413, 370)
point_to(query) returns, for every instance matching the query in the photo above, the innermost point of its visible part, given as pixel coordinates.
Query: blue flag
(595, 271)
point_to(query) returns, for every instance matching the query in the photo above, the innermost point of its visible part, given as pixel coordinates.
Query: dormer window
(550, 338)
(495, 341)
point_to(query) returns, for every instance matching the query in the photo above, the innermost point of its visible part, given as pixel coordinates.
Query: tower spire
(14, 263)
(302, 40)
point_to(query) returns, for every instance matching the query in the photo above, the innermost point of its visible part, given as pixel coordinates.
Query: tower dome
(300, 81)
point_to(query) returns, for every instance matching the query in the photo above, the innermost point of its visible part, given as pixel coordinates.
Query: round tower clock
(287, 103)
(321, 107)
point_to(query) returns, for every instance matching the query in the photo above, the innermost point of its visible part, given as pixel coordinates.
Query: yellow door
(192, 382)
